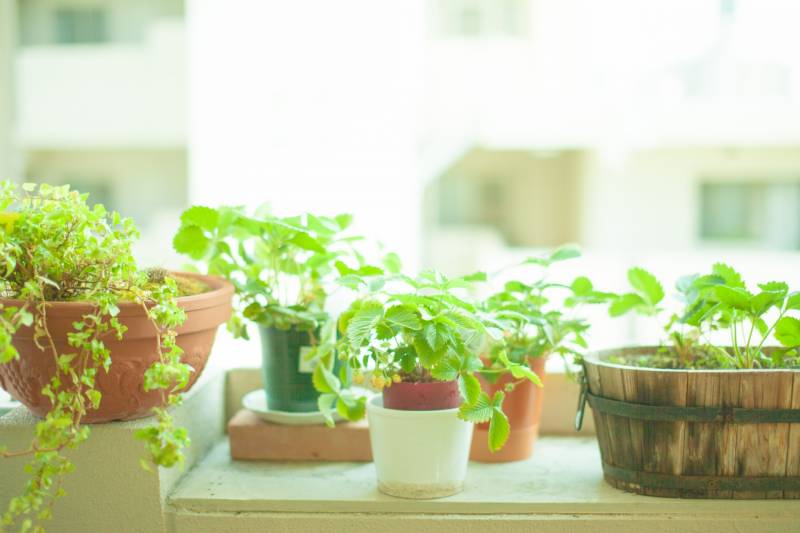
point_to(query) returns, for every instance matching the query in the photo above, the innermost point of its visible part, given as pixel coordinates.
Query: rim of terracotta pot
(221, 289)
(599, 358)
(375, 404)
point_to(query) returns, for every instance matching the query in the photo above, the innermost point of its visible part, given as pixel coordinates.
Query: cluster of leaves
(719, 303)
(54, 247)
(417, 329)
(282, 268)
(534, 318)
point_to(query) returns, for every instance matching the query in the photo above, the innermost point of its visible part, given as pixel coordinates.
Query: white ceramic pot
(418, 454)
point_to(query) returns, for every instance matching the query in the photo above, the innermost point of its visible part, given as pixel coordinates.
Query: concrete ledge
(563, 477)
(187, 522)
(109, 490)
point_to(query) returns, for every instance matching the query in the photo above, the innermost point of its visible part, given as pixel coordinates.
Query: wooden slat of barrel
(703, 440)
(622, 446)
(630, 384)
(729, 390)
(664, 442)
(793, 449)
(600, 424)
(761, 448)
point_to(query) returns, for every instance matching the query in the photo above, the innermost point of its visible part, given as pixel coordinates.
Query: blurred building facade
(99, 98)
(502, 125)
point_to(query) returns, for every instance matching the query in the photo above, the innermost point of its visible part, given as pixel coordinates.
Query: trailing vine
(54, 247)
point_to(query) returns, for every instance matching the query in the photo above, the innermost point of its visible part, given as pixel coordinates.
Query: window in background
(482, 18)
(79, 25)
(529, 199)
(759, 214)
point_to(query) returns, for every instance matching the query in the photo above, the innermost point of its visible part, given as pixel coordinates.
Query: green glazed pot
(287, 378)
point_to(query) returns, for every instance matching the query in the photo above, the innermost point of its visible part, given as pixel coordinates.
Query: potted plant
(282, 268)
(86, 336)
(715, 411)
(538, 319)
(420, 340)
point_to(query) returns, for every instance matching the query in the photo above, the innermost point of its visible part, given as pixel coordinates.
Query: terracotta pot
(122, 387)
(523, 406)
(411, 396)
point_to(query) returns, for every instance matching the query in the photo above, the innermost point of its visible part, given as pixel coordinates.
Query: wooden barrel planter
(695, 433)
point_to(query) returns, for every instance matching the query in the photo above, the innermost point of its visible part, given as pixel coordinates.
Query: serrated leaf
(360, 326)
(191, 240)
(499, 429)
(470, 387)
(204, 217)
(479, 411)
(731, 277)
(646, 285)
(787, 331)
(403, 316)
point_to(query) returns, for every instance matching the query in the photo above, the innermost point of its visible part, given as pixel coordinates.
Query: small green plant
(282, 267)
(716, 306)
(534, 317)
(417, 329)
(55, 248)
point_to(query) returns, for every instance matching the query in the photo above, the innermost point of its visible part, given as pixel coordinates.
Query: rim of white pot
(375, 405)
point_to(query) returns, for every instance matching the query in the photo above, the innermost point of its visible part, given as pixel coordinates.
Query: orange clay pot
(523, 406)
(124, 397)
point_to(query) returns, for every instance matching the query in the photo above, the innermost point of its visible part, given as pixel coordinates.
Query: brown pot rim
(597, 358)
(221, 290)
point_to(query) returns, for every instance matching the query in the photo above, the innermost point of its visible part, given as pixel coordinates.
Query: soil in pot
(695, 433)
(523, 407)
(419, 453)
(122, 387)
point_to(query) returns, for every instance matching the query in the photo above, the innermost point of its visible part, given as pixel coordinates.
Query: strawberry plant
(417, 329)
(719, 305)
(539, 318)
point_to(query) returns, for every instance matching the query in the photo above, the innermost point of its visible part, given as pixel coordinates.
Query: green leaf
(204, 217)
(403, 316)
(731, 277)
(735, 297)
(562, 253)
(787, 331)
(479, 411)
(581, 286)
(191, 240)
(363, 322)
(344, 220)
(470, 387)
(392, 263)
(325, 404)
(324, 380)
(624, 304)
(427, 356)
(352, 408)
(793, 301)
(499, 429)
(646, 285)
(307, 242)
